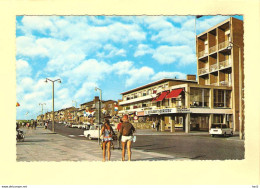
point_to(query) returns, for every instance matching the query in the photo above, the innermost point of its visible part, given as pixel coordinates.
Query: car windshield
(92, 128)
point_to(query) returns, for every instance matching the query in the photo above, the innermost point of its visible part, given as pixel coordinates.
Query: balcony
(223, 45)
(202, 53)
(225, 83)
(147, 97)
(214, 84)
(224, 64)
(203, 70)
(213, 67)
(213, 49)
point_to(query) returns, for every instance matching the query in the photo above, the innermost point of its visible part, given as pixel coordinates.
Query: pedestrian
(118, 133)
(157, 125)
(126, 131)
(107, 133)
(153, 125)
(46, 125)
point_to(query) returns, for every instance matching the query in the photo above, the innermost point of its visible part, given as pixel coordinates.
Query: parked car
(92, 132)
(220, 129)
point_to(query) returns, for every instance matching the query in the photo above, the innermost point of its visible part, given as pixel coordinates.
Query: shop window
(158, 104)
(144, 105)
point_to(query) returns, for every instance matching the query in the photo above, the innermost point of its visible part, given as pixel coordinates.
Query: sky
(113, 53)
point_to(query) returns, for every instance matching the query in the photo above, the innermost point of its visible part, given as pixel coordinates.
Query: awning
(162, 96)
(174, 93)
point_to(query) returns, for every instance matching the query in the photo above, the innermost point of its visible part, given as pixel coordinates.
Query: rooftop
(158, 82)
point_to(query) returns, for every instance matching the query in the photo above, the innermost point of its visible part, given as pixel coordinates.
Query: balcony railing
(202, 53)
(225, 83)
(213, 67)
(224, 64)
(223, 45)
(203, 71)
(213, 49)
(214, 84)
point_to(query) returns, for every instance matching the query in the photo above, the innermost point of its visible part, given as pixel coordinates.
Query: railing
(214, 84)
(223, 45)
(225, 83)
(203, 70)
(213, 49)
(202, 53)
(213, 67)
(224, 64)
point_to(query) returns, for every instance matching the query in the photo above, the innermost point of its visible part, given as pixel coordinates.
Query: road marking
(72, 135)
(81, 135)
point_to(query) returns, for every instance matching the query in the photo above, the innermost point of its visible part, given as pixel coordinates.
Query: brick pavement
(43, 145)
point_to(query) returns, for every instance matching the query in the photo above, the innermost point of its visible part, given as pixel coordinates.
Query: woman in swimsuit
(107, 133)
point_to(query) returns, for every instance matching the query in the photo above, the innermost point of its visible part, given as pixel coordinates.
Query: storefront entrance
(199, 122)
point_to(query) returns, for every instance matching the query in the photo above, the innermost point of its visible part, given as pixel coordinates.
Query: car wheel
(89, 137)
(212, 135)
(225, 134)
(231, 134)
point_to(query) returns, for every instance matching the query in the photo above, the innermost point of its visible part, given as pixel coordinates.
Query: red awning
(162, 96)
(174, 93)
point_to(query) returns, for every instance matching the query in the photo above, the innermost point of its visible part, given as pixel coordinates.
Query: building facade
(189, 105)
(220, 60)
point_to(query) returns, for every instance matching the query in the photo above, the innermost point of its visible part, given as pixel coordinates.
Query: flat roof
(158, 82)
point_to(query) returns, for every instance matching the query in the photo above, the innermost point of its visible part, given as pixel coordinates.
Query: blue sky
(115, 54)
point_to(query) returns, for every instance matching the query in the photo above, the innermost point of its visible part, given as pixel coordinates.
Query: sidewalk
(43, 145)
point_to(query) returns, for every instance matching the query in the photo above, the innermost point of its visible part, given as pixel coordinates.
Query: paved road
(198, 146)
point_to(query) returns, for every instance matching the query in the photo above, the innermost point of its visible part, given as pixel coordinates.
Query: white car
(93, 133)
(220, 129)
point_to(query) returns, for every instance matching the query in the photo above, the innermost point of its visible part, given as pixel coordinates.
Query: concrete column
(187, 123)
(172, 122)
(210, 120)
(162, 124)
(187, 96)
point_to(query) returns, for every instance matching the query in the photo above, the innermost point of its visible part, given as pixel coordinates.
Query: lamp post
(42, 111)
(231, 44)
(99, 113)
(75, 108)
(59, 80)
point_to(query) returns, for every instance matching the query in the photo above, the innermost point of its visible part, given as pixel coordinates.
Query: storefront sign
(161, 111)
(183, 110)
(167, 111)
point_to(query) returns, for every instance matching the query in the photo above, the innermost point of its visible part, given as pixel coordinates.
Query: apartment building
(181, 104)
(219, 57)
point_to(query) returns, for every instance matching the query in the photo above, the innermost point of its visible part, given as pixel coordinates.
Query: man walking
(126, 131)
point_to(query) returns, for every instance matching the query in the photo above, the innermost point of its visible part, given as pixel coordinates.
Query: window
(222, 98)
(144, 93)
(144, 105)
(158, 104)
(135, 95)
(199, 97)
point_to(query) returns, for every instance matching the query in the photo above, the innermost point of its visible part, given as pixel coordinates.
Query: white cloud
(122, 67)
(161, 75)
(139, 76)
(143, 49)
(111, 51)
(22, 68)
(172, 54)
(82, 92)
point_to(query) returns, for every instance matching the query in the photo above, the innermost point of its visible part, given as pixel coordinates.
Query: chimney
(191, 77)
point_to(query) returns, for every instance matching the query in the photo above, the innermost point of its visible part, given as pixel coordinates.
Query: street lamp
(230, 46)
(42, 111)
(59, 80)
(99, 112)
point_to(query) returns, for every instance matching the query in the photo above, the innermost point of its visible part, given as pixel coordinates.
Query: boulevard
(150, 145)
